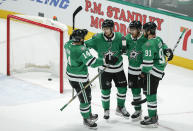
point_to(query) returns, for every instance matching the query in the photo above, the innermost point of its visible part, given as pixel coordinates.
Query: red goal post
(37, 22)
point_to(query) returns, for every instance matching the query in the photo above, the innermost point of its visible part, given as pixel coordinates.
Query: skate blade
(95, 120)
(150, 126)
(93, 128)
(121, 115)
(136, 119)
(106, 118)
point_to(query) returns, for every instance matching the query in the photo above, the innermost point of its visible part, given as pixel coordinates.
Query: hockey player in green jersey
(154, 62)
(109, 43)
(78, 58)
(135, 40)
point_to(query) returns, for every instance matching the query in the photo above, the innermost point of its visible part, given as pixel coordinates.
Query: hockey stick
(87, 85)
(74, 15)
(175, 46)
(73, 23)
(90, 82)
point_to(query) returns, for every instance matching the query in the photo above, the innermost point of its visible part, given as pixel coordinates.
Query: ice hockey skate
(89, 123)
(150, 122)
(136, 115)
(121, 111)
(147, 117)
(94, 117)
(106, 114)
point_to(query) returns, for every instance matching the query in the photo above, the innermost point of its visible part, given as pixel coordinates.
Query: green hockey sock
(105, 98)
(152, 105)
(85, 110)
(121, 96)
(136, 97)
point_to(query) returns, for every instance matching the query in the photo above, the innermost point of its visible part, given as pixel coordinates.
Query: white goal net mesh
(34, 47)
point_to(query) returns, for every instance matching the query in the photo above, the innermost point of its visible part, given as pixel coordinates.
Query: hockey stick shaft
(90, 82)
(74, 15)
(175, 46)
(86, 86)
(73, 27)
(83, 88)
(179, 40)
(138, 102)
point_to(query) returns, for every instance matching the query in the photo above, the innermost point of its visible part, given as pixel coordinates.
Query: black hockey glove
(141, 79)
(124, 50)
(112, 60)
(169, 53)
(124, 45)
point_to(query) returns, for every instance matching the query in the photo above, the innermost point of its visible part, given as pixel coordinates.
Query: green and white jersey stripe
(154, 61)
(113, 68)
(104, 47)
(85, 109)
(78, 58)
(134, 70)
(83, 92)
(134, 53)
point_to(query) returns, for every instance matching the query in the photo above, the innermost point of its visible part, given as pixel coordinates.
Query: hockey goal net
(35, 44)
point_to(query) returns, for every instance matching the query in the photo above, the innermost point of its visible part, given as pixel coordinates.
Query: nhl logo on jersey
(147, 44)
(134, 54)
(83, 48)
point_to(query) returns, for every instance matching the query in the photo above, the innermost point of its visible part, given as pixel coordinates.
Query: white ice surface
(29, 102)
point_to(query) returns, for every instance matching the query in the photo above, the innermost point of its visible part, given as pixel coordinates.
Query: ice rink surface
(29, 102)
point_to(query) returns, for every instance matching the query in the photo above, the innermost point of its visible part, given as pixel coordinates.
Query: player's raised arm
(91, 43)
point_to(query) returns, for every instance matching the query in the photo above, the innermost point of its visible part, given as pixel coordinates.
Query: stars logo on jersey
(134, 54)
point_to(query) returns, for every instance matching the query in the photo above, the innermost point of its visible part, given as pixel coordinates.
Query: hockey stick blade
(75, 13)
(77, 10)
(138, 102)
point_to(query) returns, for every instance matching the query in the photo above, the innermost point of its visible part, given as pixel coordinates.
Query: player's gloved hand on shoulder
(124, 50)
(169, 53)
(124, 45)
(112, 60)
(141, 79)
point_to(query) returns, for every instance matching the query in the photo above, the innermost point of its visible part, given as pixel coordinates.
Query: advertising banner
(95, 11)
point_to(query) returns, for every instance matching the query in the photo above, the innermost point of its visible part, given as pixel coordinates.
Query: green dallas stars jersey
(154, 61)
(134, 53)
(79, 57)
(103, 47)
